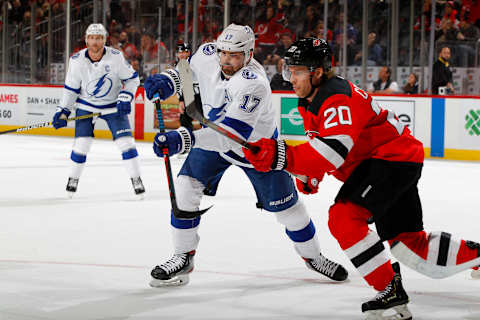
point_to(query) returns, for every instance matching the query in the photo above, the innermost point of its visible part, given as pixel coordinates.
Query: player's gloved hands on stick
(161, 84)
(176, 141)
(267, 154)
(60, 117)
(309, 187)
(124, 103)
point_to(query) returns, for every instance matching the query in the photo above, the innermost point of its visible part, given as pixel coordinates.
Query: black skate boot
(174, 272)
(72, 185)
(138, 187)
(474, 245)
(328, 268)
(393, 297)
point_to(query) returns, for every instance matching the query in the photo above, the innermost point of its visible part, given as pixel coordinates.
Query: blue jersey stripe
(241, 127)
(77, 91)
(134, 75)
(111, 105)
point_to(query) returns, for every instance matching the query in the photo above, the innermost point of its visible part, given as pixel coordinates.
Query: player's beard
(228, 69)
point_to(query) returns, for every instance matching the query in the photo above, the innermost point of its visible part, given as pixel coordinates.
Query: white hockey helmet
(237, 38)
(96, 29)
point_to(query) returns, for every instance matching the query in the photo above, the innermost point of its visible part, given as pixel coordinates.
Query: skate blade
(177, 281)
(401, 313)
(140, 196)
(475, 274)
(70, 194)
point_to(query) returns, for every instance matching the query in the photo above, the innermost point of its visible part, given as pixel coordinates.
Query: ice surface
(90, 257)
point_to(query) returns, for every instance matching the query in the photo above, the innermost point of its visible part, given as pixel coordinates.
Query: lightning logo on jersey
(100, 87)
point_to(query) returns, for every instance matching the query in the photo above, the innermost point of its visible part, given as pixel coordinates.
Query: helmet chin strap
(312, 90)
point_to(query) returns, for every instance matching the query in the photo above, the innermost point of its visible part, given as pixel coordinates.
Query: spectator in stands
(16, 12)
(277, 82)
(285, 43)
(137, 67)
(384, 84)
(375, 57)
(267, 30)
(310, 21)
(442, 75)
(148, 48)
(468, 34)
(352, 33)
(411, 87)
(129, 49)
(114, 41)
(318, 32)
(183, 52)
(447, 32)
(450, 14)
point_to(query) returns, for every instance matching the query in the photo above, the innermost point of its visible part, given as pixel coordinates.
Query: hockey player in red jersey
(352, 138)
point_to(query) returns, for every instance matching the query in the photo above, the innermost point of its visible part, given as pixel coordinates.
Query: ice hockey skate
(392, 298)
(72, 185)
(475, 245)
(174, 272)
(328, 268)
(138, 187)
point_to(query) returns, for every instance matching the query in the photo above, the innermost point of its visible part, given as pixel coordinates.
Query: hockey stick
(181, 214)
(48, 124)
(191, 99)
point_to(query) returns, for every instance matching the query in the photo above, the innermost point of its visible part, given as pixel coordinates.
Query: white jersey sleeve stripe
(326, 151)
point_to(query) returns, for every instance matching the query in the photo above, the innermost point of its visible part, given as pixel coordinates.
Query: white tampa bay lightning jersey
(95, 86)
(241, 104)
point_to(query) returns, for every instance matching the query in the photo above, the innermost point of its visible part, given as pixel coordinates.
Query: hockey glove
(124, 103)
(309, 187)
(270, 156)
(165, 84)
(60, 117)
(176, 141)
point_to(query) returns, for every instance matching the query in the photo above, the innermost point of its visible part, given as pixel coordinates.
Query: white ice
(90, 257)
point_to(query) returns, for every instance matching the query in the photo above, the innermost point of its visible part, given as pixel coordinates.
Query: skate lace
(175, 263)
(384, 293)
(137, 183)
(324, 266)
(72, 182)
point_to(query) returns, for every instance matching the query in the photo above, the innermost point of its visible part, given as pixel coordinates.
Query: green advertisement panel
(290, 120)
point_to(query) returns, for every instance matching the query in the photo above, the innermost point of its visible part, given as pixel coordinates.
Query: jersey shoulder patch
(249, 74)
(115, 51)
(209, 49)
(333, 86)
(76, 55)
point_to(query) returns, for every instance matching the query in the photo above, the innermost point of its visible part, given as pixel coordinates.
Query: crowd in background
(276, 23)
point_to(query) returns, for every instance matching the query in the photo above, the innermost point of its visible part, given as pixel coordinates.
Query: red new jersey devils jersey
(345, 126)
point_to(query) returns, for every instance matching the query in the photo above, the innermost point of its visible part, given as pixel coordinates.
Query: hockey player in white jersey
(236, 95)
(99, 79)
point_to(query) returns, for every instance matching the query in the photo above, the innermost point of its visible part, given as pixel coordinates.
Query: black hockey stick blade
(178, 213)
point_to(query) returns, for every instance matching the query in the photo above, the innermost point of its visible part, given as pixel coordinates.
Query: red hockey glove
(267, 154)
(309, 187)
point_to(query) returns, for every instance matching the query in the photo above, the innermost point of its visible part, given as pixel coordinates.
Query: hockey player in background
(184, 51)
(352, 138)
(99, 79)
(236, 95)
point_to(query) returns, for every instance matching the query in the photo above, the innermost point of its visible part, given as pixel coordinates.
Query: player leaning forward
(99, 79)
(380, 163)
(236, 95)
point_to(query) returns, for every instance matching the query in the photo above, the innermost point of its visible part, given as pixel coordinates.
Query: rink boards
(449, 127)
